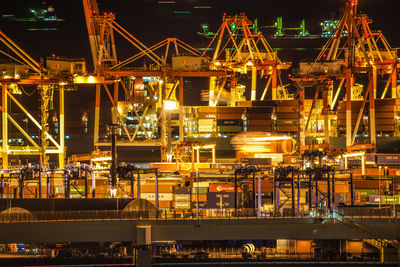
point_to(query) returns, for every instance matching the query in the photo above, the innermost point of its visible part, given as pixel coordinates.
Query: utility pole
(113, 130)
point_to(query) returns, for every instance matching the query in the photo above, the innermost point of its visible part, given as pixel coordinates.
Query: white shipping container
(182, 197)
(59, 190)
(206, 122)
(206, 129)
(182, 205)
(161, 196)
(202, 184)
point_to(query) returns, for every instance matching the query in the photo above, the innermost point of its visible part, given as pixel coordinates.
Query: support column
(86, 184)
(192, 156)
(156, 190)
(61, 153)
(213, 155)
(93, 185)
(375, 80)
(326, 116)
(363, 164)
(274, 78)
(198, 155)
(2, 186)
(48, 185)
(211, 100)
(143, 246)
(253, 83)
(115, 104)
(40, 184)
(372, 125)
(181, 116)
(302, 121)
(259, 196)
(389, 254)
(394, 81)
(96, 116)
(349, 84)
(4, 101)
(351, 189)
(138, 186)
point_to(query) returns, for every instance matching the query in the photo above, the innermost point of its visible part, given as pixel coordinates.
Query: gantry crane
(35, 75)
(147, 89)
(354, 51)
(241, 48)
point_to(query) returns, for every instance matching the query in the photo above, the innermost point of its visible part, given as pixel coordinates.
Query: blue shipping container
(214, 200)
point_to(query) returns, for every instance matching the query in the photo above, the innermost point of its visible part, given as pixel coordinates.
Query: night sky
(151, 22)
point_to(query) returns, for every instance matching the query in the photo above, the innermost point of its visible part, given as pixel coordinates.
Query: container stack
(229, 119)
(287, 116)
(199, 195)
(221, 197)
(165, 194)
(259, 119)
(385, 112)
(182, 198)
(206, 119)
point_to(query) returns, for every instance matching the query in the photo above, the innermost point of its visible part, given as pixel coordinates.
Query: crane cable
(28, 94)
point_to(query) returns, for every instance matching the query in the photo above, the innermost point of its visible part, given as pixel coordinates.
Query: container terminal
(288, 162)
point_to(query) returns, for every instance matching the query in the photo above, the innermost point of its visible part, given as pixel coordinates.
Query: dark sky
(151, 22)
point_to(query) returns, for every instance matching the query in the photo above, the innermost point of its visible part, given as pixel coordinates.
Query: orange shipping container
(163, 204)
(202, 197)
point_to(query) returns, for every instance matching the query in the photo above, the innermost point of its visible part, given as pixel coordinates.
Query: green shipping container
(202, 190)
(229, 129)
(287, 122)
(367, 192)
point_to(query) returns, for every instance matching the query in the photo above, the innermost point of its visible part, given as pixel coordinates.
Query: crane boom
(101, 35)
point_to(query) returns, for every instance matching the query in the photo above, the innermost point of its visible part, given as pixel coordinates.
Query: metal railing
(104, 215)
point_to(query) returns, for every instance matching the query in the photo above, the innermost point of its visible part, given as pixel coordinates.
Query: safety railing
(14, 216)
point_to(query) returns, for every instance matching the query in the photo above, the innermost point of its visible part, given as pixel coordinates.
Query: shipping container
(230, 110)
(259, 116)
(201, 197)
(287, 122)
(182, 190)
(287, 109)
(260, 110)
(206, 122)
(222, 188)
(244, 103)
(182, 205)
(229, 129)
(206, 129)
(287, 129)
(162, 188)
(252, 122)
(229, 122)
(259, 128)
(161, 196)
(289, 115)
(215, 200)
(201, 184)
(225, 116)
(182, 197)
(207, 109)
(202, 205)
(388, 159)
(385, 199)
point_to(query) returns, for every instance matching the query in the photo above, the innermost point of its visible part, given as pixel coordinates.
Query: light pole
(379, 190)
(197, 193)
(169, 106)
(113, 131)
